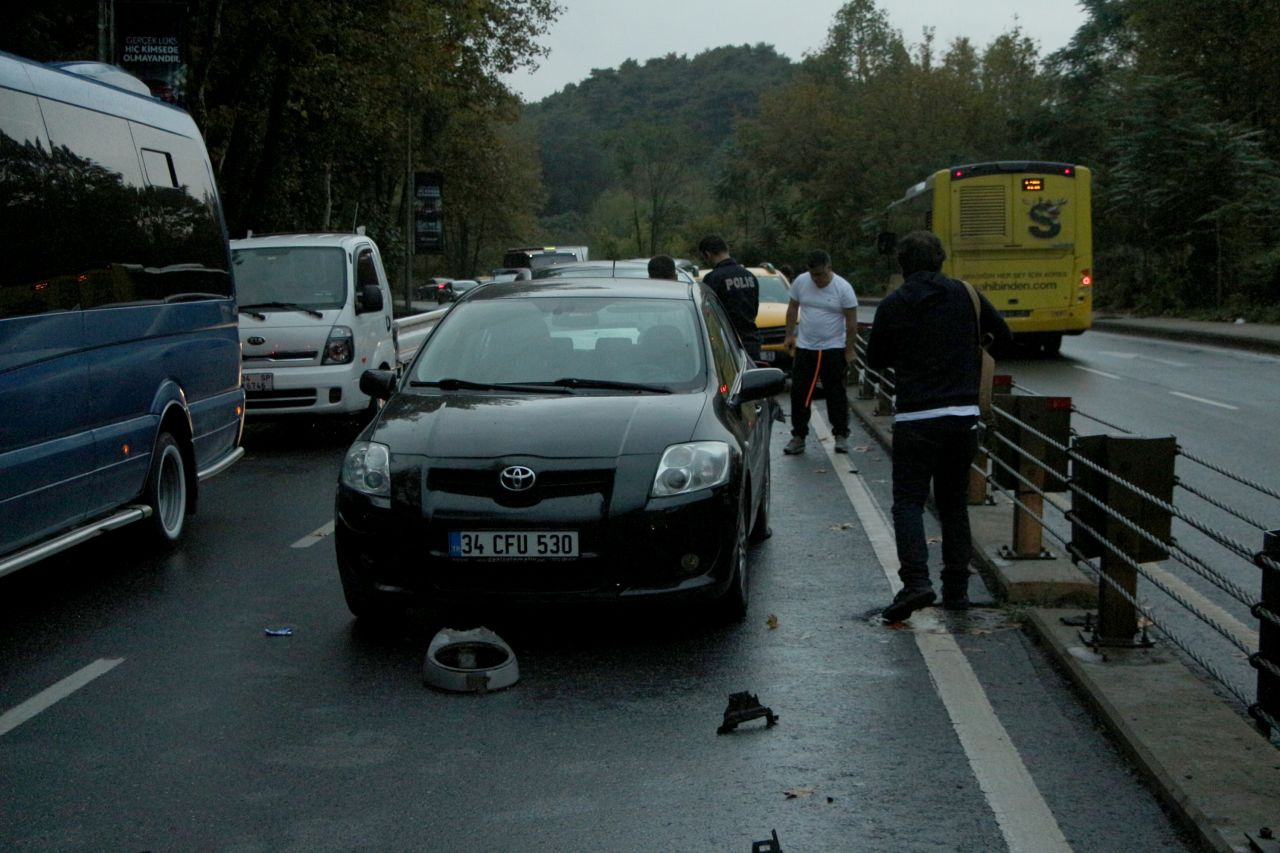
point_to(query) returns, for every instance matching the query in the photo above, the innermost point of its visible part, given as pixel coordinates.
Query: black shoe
(908, 601)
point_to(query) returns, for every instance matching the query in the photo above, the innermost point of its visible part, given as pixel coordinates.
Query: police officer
(737, 288)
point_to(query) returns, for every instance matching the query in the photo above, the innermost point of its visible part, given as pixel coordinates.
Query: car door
(372, 328)
(750, 421)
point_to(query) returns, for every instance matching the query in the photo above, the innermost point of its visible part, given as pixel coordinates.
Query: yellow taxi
(771, 316)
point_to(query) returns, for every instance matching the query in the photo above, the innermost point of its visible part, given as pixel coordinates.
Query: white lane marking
(1133, 355)
(317, 535)
(1206, 402)
(1243, 634)
(16, 716)
(1024, 818)
(1099, 372)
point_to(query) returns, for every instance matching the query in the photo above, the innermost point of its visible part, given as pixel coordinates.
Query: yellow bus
(1021, 232)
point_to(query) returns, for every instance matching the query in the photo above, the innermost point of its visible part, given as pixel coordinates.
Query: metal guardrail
(1137, 543)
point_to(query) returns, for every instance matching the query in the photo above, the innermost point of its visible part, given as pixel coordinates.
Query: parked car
(454, 288)
(590, 440)
(431, 289)
(771, 316)
(605, 269)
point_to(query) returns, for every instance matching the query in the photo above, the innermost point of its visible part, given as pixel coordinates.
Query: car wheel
(732, 605)
(760, 530)
(166, 491)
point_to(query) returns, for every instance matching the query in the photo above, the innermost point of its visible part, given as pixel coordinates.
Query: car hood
(464, 425)
(285, 334)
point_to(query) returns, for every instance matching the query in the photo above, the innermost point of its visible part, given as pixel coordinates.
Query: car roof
(643, 288)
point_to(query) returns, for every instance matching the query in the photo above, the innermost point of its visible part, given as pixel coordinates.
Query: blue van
(119, 350)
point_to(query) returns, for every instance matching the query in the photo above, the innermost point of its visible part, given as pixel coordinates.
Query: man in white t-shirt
(822, 328)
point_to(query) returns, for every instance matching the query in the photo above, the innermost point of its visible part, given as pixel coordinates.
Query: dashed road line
(1020, 811)
(318, 535)
(43, 700)
(1206, 402)
(1098, 372)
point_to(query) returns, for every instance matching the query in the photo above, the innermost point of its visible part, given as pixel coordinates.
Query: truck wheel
(166, 491)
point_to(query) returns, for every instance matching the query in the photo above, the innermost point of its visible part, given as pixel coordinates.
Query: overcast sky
(604, 33)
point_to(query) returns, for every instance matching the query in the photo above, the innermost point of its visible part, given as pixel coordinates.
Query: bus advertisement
(1020, 232)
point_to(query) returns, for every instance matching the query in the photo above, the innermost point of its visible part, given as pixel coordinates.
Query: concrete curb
(1206, 761)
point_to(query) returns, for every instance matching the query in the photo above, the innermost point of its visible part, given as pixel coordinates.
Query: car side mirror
(758, 383)
(886, 242)
(378, 384)
(370, 299)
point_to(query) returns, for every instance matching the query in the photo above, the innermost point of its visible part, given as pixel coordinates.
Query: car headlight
(340, 348)
(367, 469)
(689, 467)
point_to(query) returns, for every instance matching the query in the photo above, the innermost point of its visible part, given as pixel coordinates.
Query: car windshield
(773, 289)
(290, 277)
(530, 340)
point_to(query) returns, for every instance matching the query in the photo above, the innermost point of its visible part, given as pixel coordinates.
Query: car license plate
(259, 382)
(514, 545)
(768, 355)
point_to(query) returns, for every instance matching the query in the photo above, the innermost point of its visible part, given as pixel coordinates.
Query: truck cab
(315, 313)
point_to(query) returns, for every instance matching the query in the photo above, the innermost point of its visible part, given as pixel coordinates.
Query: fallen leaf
(844, 525)
(863, 449)
(772, 621)
(934, 540)
(799, 793)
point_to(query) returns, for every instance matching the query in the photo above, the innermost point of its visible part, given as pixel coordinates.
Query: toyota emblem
(517, 478)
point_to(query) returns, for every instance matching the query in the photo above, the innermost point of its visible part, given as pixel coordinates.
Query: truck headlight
(340, 348)
(367, 469)
(689, 467)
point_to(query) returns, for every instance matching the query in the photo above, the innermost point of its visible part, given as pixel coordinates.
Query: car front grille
(484, 483)
(773, 335)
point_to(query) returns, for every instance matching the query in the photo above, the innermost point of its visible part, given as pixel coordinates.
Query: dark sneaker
(842, 444)
(794, 446)
(908, 601)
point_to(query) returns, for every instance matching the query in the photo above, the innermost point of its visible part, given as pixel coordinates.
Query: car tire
(732, 605)
(760, 529)
(166, 492)
(368, 606)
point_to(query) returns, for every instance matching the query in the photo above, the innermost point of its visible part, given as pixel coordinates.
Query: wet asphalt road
(207, 734)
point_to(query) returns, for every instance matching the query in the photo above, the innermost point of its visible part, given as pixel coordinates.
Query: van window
(159, 167)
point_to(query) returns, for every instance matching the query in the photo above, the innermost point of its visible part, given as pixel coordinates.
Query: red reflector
(1068, 170)
(958, 173)
(724, 389)
(1086, 279)
(1058, 404)
(1002, 379)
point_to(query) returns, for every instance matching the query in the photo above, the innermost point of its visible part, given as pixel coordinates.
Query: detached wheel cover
(472, 661)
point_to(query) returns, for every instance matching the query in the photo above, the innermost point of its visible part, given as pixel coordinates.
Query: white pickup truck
(315, 313)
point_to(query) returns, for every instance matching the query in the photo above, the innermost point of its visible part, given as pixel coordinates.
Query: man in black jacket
(738, 289)
(927, 331)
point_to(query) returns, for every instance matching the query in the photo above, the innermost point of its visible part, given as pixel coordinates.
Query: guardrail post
(1036, 422)
(980, 471)
(1267, 659)
(1144, 463)
(884, 401)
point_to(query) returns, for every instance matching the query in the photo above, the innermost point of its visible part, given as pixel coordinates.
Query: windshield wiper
(574, 382)
(257, 315)
(283, 306)
(451, 384)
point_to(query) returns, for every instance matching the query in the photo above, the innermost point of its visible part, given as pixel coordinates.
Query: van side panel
(116, 305)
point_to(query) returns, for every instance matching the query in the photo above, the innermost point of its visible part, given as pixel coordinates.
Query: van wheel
(167, 491)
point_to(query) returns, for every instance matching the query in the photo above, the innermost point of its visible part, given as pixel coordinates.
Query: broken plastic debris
(278, 632)
(742, 707)
(799, 793)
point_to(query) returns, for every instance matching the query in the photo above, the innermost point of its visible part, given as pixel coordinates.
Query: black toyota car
(562, 440)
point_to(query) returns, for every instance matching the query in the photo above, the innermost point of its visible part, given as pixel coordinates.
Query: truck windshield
(306, 278)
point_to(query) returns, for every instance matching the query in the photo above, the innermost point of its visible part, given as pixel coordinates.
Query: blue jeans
(937, 451)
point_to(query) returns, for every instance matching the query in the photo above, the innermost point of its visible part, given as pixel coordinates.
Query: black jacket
(925, 331)
(739, 293)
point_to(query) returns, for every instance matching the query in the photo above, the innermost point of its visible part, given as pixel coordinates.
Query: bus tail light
(1086, 278)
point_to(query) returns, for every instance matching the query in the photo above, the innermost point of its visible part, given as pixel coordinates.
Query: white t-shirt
(821, 324)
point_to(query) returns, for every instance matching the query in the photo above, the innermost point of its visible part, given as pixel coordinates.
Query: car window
(366, 272)
(544, 339)
(726, 351)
